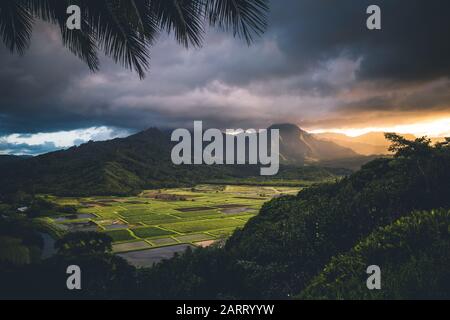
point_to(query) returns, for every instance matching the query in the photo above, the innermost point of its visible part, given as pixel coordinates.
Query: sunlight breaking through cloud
(434, 128)
(42, 142)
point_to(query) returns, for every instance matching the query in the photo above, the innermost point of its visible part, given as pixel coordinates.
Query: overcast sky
(317, 66)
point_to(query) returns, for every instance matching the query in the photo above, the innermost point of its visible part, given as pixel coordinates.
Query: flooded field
(75, 217)
(78, 226)
(146, 258)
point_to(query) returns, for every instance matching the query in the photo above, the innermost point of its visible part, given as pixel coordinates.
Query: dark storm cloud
(434, 95)
(316, 62)
(30, 85)
(412, 45)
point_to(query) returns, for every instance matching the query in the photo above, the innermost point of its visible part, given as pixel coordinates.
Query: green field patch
(153, 219)
(64, 201)
(130, 246)
(139, 213)
(91, 204)
(126, 212)
(120, 235)
(245, 218)
(216, 210)
(163, 220)
(203, 225)
(194, 237)
(190, 209)
(103, 213)
(149, 232)
(115, 226)
(196, 214)
(223, 232)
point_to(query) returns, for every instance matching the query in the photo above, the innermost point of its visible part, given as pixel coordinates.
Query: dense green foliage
(278, 252)
(414, 256)
(20, 243)
(104, 274)
(33, 206)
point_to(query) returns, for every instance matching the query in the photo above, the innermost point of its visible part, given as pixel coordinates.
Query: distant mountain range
(299, 147)
(372, 143)
(118, 166)
(127, 165)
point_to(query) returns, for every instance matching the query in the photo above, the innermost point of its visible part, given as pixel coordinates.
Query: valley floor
(158, 223)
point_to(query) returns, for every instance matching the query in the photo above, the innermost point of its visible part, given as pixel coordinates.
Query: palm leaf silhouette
(126, 29)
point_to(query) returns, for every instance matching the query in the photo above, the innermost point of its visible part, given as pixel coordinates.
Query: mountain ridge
(124, 166)
(297, 144)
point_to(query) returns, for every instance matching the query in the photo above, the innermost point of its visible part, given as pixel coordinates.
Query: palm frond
(184, 17)
(246, 18)
(82, 44)
(125, 29)
(117, 35)
(47, 10)
(16, 24)
(145, 19)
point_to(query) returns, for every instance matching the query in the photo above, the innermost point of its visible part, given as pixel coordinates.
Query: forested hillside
(142, 161)
(414, 253)
(116, 167)
(280, 251)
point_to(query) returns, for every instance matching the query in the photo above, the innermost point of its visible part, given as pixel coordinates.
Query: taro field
(167, 219)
